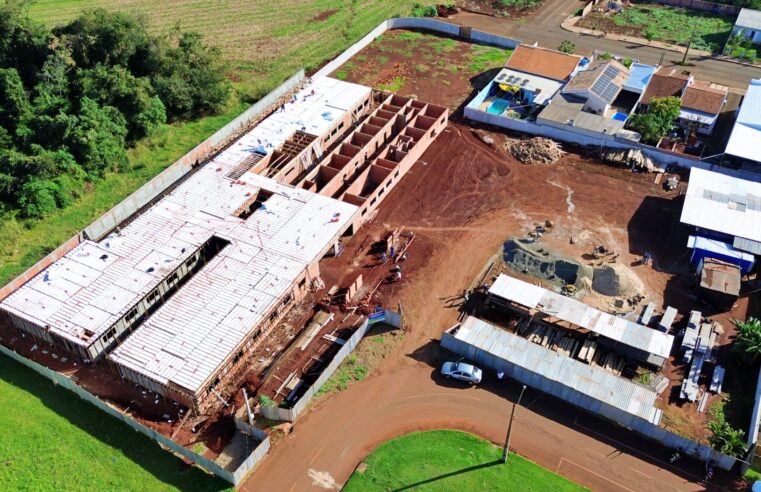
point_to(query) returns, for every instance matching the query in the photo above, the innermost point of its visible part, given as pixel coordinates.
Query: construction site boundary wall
(583, 401)
(755, 420)
(576, 137)
(202, 462)
(417, 23)
(158, 185)
(291, 414)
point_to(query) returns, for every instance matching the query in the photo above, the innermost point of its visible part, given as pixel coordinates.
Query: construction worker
(398, 276)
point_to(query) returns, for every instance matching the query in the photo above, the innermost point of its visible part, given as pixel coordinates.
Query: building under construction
(179, 296)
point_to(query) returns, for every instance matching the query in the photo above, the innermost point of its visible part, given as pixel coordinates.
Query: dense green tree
(132, 96)
(658, 120)
(102, 37)
(190, 79)
(70, 102)
(53, 92)
(14, 101)
(98, 138)
(24, 44)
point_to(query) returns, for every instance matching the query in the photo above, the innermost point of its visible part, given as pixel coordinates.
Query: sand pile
(535, 150)
(616, 281)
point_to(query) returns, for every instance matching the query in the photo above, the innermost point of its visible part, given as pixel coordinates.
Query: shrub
(424, 11)
(567, 47)
(748, 341)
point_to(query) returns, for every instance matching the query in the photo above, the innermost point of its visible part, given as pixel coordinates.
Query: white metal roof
(84, 293)
(746, 134)
(311, 113)
(594, 382)
(722, 203)
(576, 312)
(187, 339)
(749, 18)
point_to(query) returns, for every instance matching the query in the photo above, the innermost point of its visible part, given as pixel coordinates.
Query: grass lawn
(263, 43)
(667, 24)
(451, 460)
(52, 440)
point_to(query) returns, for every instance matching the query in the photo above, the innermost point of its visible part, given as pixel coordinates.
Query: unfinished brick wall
(374, 157)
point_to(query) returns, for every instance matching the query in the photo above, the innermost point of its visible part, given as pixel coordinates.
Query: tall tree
(98, 138)
(658, 120)
(14, 101)
(190, 78)
(24, 44)
(132, 96)
(110, 38)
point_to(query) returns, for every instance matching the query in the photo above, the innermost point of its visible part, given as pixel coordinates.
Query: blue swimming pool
(498, 107)
(619, 116)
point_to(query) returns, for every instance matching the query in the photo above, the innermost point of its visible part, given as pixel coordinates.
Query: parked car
(462, 371)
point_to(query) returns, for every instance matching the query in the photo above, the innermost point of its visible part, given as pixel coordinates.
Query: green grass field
(451, 460)
(52, 440)
(263, 43)
(668, 24)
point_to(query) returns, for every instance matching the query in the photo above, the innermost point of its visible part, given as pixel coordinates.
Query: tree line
(74, 98)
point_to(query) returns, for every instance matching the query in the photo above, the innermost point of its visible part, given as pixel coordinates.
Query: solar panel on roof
(611, 72)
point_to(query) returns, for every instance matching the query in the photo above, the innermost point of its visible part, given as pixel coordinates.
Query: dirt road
(463, 204)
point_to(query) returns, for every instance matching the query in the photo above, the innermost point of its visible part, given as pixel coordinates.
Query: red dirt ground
(436, 69)
(463, 199)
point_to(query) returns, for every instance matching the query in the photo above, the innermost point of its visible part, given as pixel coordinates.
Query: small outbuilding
(748, 24)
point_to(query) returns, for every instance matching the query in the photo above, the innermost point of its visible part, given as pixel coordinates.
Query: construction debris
(632, 158)
(535, 150)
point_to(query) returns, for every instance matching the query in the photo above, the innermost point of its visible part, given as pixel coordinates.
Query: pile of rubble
(535, 150)
(631, 158)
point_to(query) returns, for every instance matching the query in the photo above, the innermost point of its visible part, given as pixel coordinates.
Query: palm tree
(727, 440)
(748, 341)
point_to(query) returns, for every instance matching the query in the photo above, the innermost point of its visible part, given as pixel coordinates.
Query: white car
(463, 372)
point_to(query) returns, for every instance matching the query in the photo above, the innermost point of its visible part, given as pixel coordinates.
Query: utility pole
(689, 43)
(506, 449)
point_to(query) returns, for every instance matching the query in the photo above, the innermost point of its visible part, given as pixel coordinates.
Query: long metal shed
(628, 338)
(588, 387)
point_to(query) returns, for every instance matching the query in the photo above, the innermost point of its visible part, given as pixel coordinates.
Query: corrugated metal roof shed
(576, 312)
(88, 290)
(746, 134)
(722, 203)
(562, 371)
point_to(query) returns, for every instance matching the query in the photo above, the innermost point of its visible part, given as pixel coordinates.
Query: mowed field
(52, 440)
(450, 460)
(263, 40)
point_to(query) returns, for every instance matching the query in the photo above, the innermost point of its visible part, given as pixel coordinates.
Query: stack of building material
(717, 379)
(632, 158)
(690, 385)
(667, 320)
(691, 335)
(535, 150)
(587, 351)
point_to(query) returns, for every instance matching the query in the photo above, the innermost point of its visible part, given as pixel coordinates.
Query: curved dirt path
(405, 394)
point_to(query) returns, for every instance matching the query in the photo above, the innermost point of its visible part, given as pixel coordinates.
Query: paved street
(544, 28)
